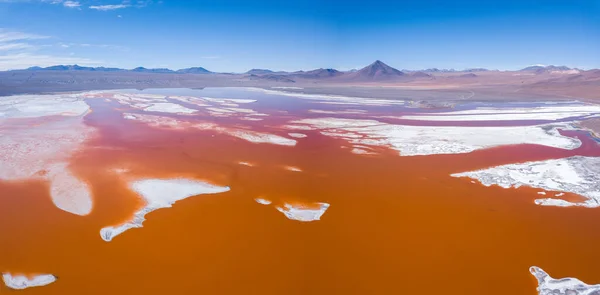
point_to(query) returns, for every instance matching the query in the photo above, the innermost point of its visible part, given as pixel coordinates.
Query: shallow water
(395, 225)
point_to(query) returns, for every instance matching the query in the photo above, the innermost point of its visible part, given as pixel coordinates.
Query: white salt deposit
(303, 213)
(334, 99)
(430, 140)
(258, 137)
(229, 100)
(262, 201)
(68, 192)
(245, 164)
(579, 175)
(286, 87)
(167, 107)
(541, 193)
(293, 169)
(160, 193)
(565, 286)
(43, 151)
(340, 112)
(249, 135)
(297, 135)
(33, 106)
(20, 282)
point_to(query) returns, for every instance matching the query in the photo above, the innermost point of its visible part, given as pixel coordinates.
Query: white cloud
(108, 7)
(25, 60)
(71, 4)
(9, 36)
(211, 57)
(14, 46)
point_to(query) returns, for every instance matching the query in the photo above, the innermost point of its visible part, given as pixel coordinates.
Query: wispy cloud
(88, 45)
(20, 50)
(9, 36)
(109, 7)
(210, 57)
(14, 46)
(26, 60)
(71, 4)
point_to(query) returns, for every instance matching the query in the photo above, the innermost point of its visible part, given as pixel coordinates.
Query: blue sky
(235, 36)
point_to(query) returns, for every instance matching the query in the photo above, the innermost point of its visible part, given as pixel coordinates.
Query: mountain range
(376, 71)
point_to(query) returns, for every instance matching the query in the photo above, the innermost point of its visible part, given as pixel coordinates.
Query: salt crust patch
(335, 99)
(262, 201)
(33, 106)
(169, 108)
(303, 213)
(297, 135)
(579, 175)
(348, 111)
(431, 140)
(293, 169)
(286, 87)
(248, 135)
(503, 114)
(42, 152)
(20, 282)
(160, 193)
(566, 286)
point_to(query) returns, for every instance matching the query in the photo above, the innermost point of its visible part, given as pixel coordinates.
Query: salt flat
(566, 286)
(20, 282)
(579, 175)
(157, 194)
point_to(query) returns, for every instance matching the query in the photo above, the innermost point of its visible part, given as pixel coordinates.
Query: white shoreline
(159, 193)
(20, 282)
(578, 175)
(564, 286)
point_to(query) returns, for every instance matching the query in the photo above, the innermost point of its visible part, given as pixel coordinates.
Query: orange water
(396, 225)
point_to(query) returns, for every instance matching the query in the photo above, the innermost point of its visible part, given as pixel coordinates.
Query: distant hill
(145, 70)
(475, 70)
(538, 69)
(376, 71)
(194, 70)
(420, 74)
(271, 77)
(74, 68)
(259, 72)
(318, 73)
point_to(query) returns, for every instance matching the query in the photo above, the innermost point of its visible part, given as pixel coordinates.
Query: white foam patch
(160, 193)
(579, 175)
(246, 164)
(262, 201)
(431, 140)
(169, 108)
(20, 282)
(566, 286)
(303, 213)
